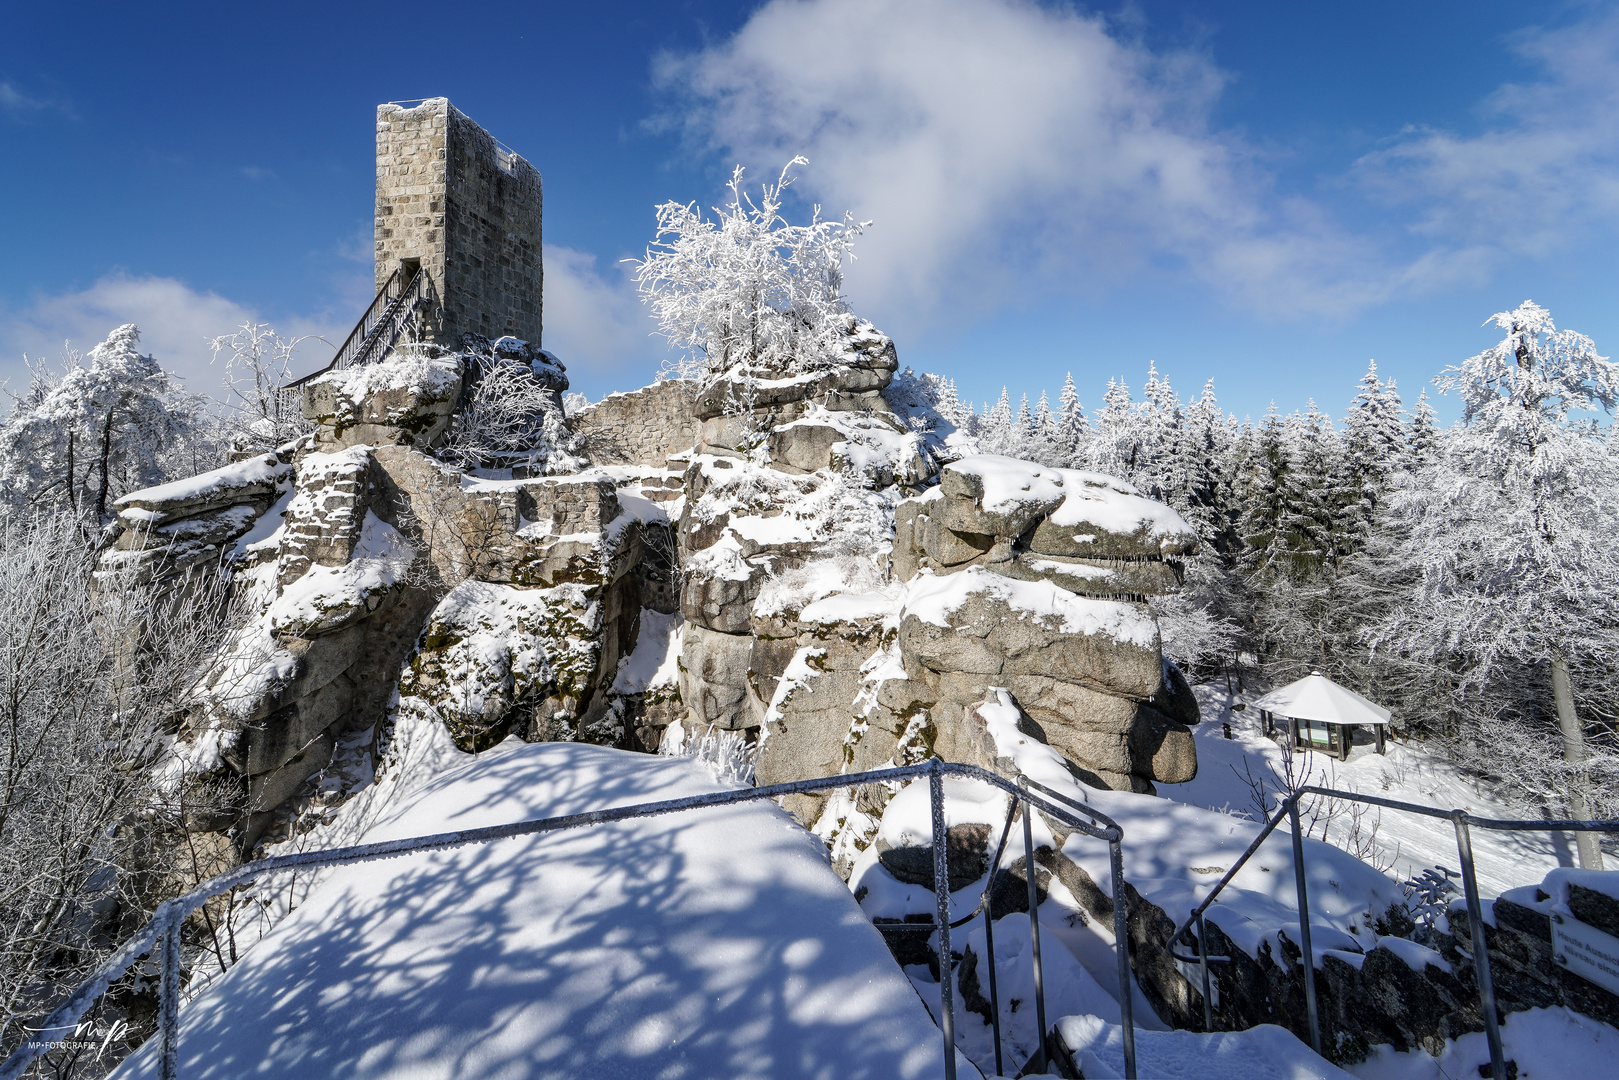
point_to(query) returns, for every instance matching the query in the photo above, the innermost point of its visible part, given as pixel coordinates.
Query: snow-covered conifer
(1512, 526)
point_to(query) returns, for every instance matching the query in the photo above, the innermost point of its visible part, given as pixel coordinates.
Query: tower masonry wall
(470, 212)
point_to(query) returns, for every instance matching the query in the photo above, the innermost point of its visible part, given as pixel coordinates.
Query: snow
(1557, 882)
(654, 664)
(850, 608)
(265, 535)
(1316, 697)
(1034, 759)
(1069, 989)
(908, 819)
(381, 558)
(1404, 843)
(713, 943)
(1414, 956)
(264, 469)
(797, 675)
(403, 369)
(1547, 1044)
(1009, 482)
(1266, 1052)
(934, 599)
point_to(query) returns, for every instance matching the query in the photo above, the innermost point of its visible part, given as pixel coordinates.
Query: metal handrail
(163, 930)
(379, 328)
(1460, 819)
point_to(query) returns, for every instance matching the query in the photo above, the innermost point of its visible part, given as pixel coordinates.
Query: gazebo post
(1381, 728)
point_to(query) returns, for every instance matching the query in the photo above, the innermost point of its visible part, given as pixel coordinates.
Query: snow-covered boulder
(1085, 532)
(327, 513)
(981, 623)
(166, 530)
(488, 651)
(328, 598)
(858, 371)
(253, 480)
(405, 400)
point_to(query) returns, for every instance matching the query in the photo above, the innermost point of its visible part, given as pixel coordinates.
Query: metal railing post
(1121, 945)
(1481, 949)
(994, 996)
(941, 895)
(169, 997)
(1029, 874)
(1304, 924)
(1203, 957)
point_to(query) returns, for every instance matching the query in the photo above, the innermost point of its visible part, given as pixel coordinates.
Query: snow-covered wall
(643, 427)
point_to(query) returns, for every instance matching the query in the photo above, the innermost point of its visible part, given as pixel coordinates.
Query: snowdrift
(715, 943)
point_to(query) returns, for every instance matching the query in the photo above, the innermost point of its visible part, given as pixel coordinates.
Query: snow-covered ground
(1402, 843)
(1176, 848)
(703, 944)
(720, 943)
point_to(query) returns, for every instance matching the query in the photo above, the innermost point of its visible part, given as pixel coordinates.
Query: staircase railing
(162, 933)
(378, 331)
(1460, 819)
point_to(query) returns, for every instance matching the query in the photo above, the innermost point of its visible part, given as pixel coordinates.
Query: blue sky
(1265, 194)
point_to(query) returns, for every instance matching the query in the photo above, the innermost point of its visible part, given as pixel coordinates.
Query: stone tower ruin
(454, 202)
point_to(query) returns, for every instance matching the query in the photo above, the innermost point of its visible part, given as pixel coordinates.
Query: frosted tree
(87, 834)
(99, 429)
(748, 289)
(950, 406)
(1374, 448)
(258, 362)
(512, 419)
(996, 429)
(1074, 431)
(1318, 495)
(1264, 485)
(1043, 432)
(1117, 448)
(1422, 433)
(1162, 468)
(1513, 523)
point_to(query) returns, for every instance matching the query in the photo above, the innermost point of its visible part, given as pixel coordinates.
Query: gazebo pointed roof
(1316, 697)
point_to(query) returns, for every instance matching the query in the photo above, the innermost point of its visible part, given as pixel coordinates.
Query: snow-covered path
(715, 943)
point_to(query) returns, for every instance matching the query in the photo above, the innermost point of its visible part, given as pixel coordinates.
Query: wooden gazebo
(1321, 715)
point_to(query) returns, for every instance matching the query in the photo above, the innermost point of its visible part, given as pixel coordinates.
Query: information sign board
(1586, 951)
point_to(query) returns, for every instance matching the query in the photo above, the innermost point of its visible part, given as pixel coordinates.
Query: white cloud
(595, 322)
(1542, 174)
(17, 104)
(1007, 149)
(1003, 147)
(175, 322)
